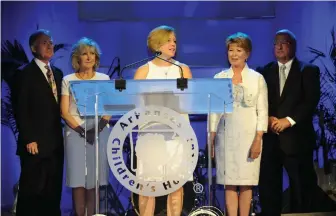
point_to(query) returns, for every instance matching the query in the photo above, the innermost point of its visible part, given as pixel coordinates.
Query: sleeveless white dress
(167, 140)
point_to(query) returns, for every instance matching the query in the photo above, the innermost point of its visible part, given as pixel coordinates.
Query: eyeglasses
(282, 42)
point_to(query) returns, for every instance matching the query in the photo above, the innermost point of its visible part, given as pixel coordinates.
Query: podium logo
(165, 148)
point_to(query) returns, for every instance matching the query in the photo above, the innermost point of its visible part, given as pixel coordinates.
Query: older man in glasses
(293, 94)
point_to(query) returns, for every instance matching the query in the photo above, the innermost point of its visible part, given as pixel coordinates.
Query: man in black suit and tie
(35, 98)
(293, 94)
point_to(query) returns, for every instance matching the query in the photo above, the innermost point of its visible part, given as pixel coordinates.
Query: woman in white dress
(162, 39)
(80, 152)
(238, 145)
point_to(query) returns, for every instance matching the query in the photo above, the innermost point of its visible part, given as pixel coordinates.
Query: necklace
(166, 71)
(82, 78)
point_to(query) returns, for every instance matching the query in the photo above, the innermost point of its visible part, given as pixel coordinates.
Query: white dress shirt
(288, 67)
(42, 65)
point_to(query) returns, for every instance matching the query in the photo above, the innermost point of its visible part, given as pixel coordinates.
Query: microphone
(182, 83)
(115, 69)
(120, 83)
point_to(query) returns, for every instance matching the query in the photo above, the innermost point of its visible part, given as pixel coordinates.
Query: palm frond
(12, 57)
(7, 116)
(332, 52)
(330, 75)
(60, 46)
(316, 52)
(14, 50)
(327, 105)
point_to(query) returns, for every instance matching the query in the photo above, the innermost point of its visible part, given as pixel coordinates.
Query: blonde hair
(81, 45)
(159, 36)
(241, 39)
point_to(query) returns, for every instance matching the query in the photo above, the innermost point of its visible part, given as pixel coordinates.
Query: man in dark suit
(293, 94)
(35, 98)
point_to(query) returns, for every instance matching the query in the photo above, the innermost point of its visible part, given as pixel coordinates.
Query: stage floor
(313, 214)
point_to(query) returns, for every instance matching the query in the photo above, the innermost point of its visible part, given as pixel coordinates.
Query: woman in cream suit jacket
(238, 144)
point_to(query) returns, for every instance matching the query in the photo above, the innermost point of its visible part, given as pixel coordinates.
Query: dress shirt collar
(42, 65)
(244, 71)
(288, 64)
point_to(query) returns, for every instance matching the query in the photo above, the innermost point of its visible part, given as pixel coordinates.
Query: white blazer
(255, 95)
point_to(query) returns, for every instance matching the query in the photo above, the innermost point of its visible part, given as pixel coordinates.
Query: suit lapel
(40, 75)
(42, 79)
(290, 81)
(275, 71)
(274, 78)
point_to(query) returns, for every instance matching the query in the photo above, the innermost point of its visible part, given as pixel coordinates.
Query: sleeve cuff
(262, 128)
(291, 121)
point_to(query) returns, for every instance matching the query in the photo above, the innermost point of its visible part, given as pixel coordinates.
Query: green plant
(13, 56)
(327, 105)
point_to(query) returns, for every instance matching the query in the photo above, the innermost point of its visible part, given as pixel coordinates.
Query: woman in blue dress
(80, 150)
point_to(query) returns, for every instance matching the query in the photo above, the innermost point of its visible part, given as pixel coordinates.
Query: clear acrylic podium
(138, 106)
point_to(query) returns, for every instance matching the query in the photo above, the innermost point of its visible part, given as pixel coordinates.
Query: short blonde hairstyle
(159, 36)
(241, 39)
(81, 45)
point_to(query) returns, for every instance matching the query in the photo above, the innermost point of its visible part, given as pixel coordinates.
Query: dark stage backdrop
(121, 29)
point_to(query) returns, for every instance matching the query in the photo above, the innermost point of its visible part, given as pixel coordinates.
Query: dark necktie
(51, 81)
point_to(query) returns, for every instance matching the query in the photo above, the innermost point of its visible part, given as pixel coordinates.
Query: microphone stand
(181, 83)
(120, 83)
(116, 68)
